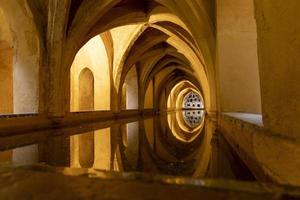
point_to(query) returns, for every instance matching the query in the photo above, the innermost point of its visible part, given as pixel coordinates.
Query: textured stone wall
(149, 96)
(93, 56)
(6, 78)
(26, 61)
(132, 87)
(237, 56)
(279, 63)
(269, 156)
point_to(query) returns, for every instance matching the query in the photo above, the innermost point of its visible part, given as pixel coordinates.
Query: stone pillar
(237, 57)
(6, 78)
(279, 63)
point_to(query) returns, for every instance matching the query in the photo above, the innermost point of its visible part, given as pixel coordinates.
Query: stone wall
(279, 63)
(237, 57)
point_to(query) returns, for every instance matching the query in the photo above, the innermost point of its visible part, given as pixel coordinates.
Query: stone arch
(109, 45)
(86, 103)
(205, 40)
(187, 51)
(166, 76)
(94, 55)
(83, 145)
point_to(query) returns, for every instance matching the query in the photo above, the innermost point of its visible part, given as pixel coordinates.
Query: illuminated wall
(102, 149)
(238, 59)
(6, 67)
(122, 38)
(94, 57)
(25, 41)
(19, 68)
(132, 89)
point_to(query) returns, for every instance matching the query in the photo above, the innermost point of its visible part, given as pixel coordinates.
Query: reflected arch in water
(193, 118)
(167, 148)
(181, 129)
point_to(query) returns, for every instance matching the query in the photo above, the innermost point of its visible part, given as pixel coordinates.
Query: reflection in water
(164, 144)
(130, 138)
(22, 155)
(193, 118)
(174, 147)
(93, 148)
(180, 127)
(175, 143)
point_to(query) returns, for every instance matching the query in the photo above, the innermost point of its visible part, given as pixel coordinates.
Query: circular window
(192, 101)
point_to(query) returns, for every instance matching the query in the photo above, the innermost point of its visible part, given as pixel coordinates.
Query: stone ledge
(270, 156)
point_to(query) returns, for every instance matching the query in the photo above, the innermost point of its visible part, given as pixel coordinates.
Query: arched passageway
(157, 87)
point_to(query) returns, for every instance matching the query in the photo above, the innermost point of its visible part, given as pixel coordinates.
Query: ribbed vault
(167, 30)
